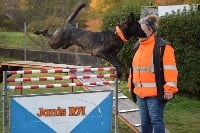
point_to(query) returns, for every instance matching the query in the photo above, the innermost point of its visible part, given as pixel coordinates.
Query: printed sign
(86, 112)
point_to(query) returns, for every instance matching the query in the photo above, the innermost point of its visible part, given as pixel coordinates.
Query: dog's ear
(131, 17)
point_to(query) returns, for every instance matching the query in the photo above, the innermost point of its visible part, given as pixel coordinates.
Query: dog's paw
(37, 32)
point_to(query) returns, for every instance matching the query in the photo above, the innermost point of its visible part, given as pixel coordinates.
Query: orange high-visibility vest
(144, 74)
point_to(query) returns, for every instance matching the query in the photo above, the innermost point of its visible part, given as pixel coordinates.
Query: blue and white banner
(87, 112)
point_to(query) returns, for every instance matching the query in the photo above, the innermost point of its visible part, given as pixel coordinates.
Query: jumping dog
(105, 44)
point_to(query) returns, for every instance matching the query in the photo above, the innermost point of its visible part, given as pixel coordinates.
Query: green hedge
(182, 30)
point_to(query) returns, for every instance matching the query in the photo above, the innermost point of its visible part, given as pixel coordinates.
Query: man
(145, 80)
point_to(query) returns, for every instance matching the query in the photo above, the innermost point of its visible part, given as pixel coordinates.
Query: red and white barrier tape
(60, 78)
(62, 70)
(60, 85)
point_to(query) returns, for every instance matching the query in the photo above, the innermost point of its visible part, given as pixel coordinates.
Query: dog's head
(131, 27)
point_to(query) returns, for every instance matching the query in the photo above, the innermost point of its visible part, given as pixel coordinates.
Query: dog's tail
(70, 19)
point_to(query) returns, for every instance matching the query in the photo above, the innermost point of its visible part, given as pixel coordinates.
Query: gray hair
(151, 21)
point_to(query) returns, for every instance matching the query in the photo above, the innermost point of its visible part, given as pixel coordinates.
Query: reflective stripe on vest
(173, 84)
(145, 69)
(169, 67)
(151, 69)
(145, 84)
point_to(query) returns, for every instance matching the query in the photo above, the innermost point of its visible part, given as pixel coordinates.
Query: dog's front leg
(116, 63)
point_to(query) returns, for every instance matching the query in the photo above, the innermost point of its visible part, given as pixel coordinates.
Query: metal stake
(4, 95)
(116, 103)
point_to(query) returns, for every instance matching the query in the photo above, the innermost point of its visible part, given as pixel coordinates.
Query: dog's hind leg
(54, 40)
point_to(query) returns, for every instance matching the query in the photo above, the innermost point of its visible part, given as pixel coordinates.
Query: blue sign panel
(87, 112)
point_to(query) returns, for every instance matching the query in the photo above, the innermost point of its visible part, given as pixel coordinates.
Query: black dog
(105, 44)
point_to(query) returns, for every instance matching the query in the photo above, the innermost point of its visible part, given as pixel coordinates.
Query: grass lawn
(14, 39)
(18, 40)
(182, 115)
